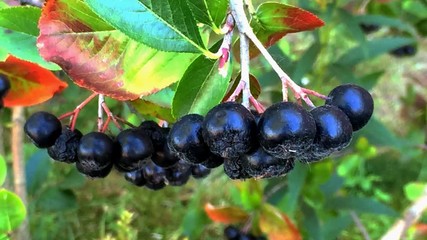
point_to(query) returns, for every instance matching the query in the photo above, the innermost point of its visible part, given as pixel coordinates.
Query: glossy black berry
(154, 176)
(369, 27)
(165, 158)
(285, 129)
(404, 51)
(213, 161)
(229, 130)
(96, 151)
(91, 169)
(65, 147)
(234, 169)
(4, 86)
(355, 102)
(135, 148)
(135, 177)
(156, 133)
(179, 174)
(43, 129)
(260, 164)
(334, 132)
(185, 139)
(231, 233)
(199, 171)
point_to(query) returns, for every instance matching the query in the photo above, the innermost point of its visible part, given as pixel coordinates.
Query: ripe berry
(96, 151)
(154, 176)
(355, 102)
(369, 27)
(179, 174)
(166, 158)
(200, 171)
(136, 177)
(185, 139)
(285, 129)
(334, 132)
(232, 233)
(229, 130)
(155, 133)
(135, 147)
(213, 161)
(234, 169)
(404, 51)
(43, 129)
(260, 164)
(65, 147)
(4, 85)
(91, 169)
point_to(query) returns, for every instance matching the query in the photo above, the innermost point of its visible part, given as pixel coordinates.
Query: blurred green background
(377, 177)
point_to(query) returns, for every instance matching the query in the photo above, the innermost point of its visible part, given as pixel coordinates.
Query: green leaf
(3, 170)
(296, 180)
(201, 88)
(166, 25)
(378, 134)
(102, 59)
(414, 190)
(21, 19)
(370, 49)
(56, 200)
(416, 8)
(382, 20)
(332, 228)
(73, 180)
(209, 12)
(360, 204)
(12, 211)
(37, 170)
(162, 98)
(3, 5)
(351, 25)
(152, 109)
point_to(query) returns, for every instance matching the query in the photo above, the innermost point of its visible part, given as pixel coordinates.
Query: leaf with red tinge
(275, 20)
(276, 225)
(226, 215)
(255, 87)
(30, 83)
(100, 58)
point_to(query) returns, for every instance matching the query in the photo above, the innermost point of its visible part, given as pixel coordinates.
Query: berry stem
(242, 23)
(75, 113)
(119, 119)
(110, 117)
(257, 105)
(101, 99)
(244, 65)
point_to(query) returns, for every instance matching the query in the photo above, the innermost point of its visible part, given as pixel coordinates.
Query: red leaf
(277, 225)
(30, 83)
(226, 215)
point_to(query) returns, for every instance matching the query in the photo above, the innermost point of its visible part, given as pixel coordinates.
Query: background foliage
(376, 177)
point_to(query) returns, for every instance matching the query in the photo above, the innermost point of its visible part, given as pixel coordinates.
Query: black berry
(285, 129)
(91, 169)
(234, 169)
(65, 147)
(334, 132)
(199, 171)
(229, 130)
(135, 147)
(4, 86)
(213, 161)
(369, 27)
(231, 233)
(185, 139)
(136, 177)
(155, 132)
(355, 102)
(43, 129)
(154, 176)
(260, 164)
(96, 152)
(179, 174)
(404, 51)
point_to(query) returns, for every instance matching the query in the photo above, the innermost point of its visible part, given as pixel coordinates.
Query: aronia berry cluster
(249, 145)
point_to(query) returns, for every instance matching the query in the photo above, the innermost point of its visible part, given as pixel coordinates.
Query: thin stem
(110, 116)
(119, 119)
(257, 105)
(74, 114)
(236, 91)
(244, 65)
(360, 225)
(101, 99)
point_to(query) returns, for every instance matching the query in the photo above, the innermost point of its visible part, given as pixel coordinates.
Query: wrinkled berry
(43, 129)
(185, 139)
(229, 130)
(156, 133)
(135, 148)
(200, 171)
(260, 164)
(65, 147)
(179, 174)
(234, 169)
(355, 102)
(285, 129)
(91, 169)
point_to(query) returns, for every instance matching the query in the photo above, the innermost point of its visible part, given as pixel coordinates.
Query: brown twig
(360, 225)
(17, 143)
(411, 216)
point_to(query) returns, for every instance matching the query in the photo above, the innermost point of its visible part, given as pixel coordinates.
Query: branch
(360, 226)
(101, 99)
(244, 66)
(411, 216)
(17, 144)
